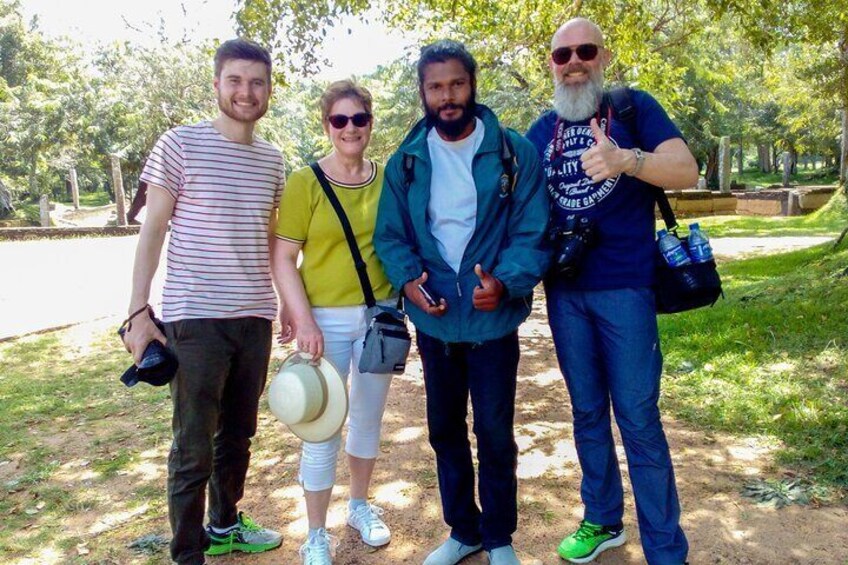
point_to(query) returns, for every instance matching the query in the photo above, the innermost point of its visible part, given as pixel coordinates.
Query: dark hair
(344, 89)
(241, 49)
(441, 52)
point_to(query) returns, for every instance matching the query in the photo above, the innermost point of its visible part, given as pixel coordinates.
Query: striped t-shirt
(225, 192)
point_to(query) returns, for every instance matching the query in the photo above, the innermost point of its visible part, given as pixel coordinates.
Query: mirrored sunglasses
(585, 52)
(339, 121)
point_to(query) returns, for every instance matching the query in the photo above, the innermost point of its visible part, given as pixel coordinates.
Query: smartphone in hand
(429, 295)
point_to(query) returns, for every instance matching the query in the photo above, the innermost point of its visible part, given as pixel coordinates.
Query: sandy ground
(722, 527)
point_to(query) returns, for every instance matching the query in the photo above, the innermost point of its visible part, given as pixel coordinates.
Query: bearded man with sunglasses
(465, 222)
(601, 306)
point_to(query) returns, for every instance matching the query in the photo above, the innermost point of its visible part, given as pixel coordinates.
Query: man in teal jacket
(463, 215)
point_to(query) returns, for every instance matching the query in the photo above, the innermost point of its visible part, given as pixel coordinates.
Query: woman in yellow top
(326, 306)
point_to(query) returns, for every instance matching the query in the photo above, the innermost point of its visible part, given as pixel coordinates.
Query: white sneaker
(319, 549)
(366, 519)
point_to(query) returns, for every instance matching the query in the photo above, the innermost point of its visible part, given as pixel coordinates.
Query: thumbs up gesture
(604, 160)
(488, 294)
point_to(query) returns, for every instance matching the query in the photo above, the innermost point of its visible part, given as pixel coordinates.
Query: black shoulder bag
(682, 288)
(387, 340)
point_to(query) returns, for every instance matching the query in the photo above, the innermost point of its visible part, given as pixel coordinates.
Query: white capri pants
(344, 333)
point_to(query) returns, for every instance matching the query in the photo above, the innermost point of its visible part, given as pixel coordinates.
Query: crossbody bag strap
(361, 268)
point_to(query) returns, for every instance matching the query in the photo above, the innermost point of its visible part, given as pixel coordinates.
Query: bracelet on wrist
(128, 322)
(640, 161)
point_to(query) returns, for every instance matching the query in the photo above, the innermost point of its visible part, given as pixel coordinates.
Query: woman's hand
(310, 339)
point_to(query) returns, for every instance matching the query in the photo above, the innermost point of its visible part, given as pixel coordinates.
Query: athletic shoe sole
(224, 549)
(603, 546)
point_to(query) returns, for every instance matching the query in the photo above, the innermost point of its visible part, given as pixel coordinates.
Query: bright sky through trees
(103, 21)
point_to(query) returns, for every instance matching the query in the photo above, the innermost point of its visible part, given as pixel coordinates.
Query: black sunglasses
(339, 121)
(585, 52)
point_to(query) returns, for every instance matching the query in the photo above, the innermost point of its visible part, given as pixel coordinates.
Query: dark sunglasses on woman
(585, 52)
(339, 121)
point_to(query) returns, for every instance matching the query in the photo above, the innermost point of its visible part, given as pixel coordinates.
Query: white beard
(578, 102)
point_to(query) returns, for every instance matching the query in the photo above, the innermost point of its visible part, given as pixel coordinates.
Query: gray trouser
(223, 368)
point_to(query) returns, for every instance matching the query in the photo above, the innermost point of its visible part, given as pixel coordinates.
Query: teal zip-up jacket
(507, 240)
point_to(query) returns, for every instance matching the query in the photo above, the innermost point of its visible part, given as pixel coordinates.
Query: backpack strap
(408, 170)
(625, 111)
(508, 159)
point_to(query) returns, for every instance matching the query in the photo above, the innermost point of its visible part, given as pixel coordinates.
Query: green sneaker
(246, 536)
(589, 541)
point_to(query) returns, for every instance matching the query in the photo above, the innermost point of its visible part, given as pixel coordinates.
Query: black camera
(570, 240)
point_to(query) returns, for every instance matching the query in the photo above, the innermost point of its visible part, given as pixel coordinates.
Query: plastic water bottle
(672, 250)
(699, 245)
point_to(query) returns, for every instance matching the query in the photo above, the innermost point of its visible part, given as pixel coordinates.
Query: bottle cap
(694, 226)
(661, 233)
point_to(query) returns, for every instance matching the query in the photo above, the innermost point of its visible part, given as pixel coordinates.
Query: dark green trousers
(223, 368)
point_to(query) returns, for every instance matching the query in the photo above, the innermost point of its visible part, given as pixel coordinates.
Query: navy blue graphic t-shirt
(622, 207)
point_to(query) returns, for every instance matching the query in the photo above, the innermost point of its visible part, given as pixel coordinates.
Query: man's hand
(488, 295)
(605, 160)
(287, 329)
(140, 332)
(411, 292)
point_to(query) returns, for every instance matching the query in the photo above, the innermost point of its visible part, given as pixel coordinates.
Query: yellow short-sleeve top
(307, 217)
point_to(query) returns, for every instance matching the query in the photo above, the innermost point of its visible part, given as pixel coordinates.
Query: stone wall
(770, 202)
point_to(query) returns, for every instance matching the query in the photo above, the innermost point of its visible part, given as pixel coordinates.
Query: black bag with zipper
(677, 289)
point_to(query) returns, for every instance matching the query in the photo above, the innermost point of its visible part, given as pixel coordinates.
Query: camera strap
(358, 262)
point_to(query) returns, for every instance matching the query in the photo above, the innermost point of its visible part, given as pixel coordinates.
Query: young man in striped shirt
(219, 187)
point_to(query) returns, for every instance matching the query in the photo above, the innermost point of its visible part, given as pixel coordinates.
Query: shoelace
(586, 531)
(370, 516)
(323, 539)
(247, 524)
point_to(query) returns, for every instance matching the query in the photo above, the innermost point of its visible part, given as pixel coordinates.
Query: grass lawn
(829, 220)
(94, 199)
(771, 360)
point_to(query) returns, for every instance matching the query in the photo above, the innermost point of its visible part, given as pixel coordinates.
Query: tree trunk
(711, 171)
(74, 187)
(33, 174)
(775, 158)
(793, 160)
(740, 158)
(724, 165)
(787, 167)
(843, 167)
(118, 185)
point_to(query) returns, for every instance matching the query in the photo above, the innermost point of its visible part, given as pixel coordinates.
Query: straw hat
(310, 399)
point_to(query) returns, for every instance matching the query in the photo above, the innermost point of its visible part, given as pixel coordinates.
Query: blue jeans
(608, 348)
(488, 372)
